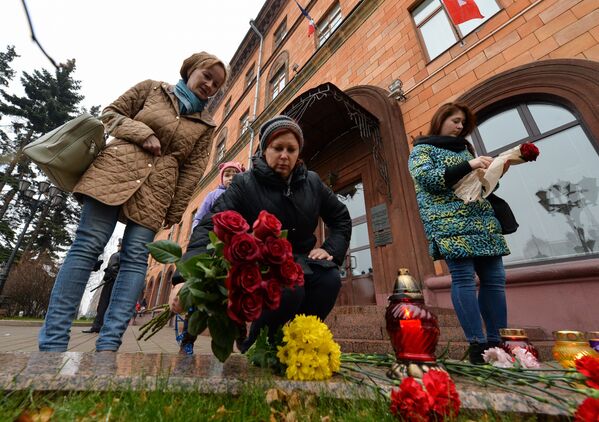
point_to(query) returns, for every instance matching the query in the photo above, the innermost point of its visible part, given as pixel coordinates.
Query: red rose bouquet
(242, 274)
(480, 183)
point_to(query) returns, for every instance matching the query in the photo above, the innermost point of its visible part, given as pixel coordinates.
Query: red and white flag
(461, 11)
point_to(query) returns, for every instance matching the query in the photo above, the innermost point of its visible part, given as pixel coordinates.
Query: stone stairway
(361, 329)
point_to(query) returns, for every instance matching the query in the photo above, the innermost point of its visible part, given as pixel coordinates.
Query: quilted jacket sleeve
(189, 176)
(118, 117)
(336, 216)
(427, 173)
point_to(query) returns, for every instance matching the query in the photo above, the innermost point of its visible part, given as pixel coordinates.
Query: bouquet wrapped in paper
(481, 183)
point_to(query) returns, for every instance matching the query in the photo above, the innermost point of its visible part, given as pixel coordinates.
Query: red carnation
(228, 224)
(444, 398)
(410, 402)
(529, 151)
(244, 306)
(589, 367)
(588, 411)
(241, 248)
(266, 225)
(276, 251)
(246, 277)
(272, 293)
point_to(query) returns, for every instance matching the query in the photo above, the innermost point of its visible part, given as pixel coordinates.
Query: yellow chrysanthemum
(308, 350)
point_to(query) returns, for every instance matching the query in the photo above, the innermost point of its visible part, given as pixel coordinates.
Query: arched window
(555, 199)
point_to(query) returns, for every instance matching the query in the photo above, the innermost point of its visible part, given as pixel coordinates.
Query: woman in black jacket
(280, 184)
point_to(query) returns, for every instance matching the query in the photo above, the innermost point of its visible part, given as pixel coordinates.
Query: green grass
(250, 405)
(153, 406)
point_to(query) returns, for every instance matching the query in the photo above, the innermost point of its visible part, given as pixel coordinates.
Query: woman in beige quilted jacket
(144, 178)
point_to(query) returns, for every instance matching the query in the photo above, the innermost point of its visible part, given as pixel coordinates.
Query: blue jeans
(95, 229)
(491, 303)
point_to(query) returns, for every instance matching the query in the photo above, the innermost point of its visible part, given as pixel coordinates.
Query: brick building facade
(369, 81)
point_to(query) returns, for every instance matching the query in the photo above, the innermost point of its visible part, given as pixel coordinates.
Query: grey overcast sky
(118, 43)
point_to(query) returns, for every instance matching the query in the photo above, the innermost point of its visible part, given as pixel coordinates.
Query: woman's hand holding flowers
(152, 145)
(481, 162)
(173, 299)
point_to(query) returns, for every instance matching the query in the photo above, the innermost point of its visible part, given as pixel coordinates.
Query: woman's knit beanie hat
(278, 124)
(230, 164)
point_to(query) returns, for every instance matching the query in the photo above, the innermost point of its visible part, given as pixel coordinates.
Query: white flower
(498, 357)
(527, 360)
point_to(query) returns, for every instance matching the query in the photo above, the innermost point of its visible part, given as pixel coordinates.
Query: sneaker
(475, 353)
(186, 349)
(91, 330)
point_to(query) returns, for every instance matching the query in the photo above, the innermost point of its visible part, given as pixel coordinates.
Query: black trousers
(103, 304)
(317, 297)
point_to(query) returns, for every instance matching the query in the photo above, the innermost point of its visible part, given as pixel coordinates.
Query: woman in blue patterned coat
(466, 235)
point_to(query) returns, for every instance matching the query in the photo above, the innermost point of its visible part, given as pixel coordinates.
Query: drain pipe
(253, 26)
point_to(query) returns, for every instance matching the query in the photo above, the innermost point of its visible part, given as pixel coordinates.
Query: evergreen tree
(50, 100)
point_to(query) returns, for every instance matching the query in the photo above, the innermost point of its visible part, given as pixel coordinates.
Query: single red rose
(588, 411)
(272, 294)
(529, 151)
(244, 306)
(276, 251)
(589, 367)
(410, 402)
(228, 224)
(291, 273)
(266, 225)
(242, 248)
(246, 277)
(444, 398)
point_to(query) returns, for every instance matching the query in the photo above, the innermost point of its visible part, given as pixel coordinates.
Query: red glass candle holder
(516, 337)
(413, 330)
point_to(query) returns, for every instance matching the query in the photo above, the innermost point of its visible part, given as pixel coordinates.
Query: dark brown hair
(447, 110)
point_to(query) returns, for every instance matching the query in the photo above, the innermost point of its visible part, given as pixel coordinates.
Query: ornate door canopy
(326, 113)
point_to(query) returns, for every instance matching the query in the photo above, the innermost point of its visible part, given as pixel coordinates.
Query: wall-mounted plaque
(380, 225)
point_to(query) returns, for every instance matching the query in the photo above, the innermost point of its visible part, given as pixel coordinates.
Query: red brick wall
(386, 46)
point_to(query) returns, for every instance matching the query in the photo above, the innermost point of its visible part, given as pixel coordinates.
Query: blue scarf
(188, 102)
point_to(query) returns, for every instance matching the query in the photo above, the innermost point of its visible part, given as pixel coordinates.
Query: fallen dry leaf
(42, 415)
(325, 419)
(275, 394)
(291, 416)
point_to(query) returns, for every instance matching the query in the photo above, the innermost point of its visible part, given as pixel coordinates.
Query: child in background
(227, 171)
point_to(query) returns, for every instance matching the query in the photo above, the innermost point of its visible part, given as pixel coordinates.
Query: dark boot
(491, 344)
(475, 353)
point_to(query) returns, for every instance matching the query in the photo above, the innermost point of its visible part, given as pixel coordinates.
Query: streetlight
(52, 197)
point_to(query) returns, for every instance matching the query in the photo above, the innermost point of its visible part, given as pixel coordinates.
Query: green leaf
(215, 242)
(198, 321)
(223, 290)
(223, 332)
(202, 295)
(189, 268)
(263, 353)
(283, 234)
(165, 251)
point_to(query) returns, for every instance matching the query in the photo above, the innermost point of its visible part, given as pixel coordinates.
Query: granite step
(456, 349)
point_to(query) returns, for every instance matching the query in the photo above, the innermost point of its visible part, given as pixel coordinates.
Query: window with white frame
(244, 123)
(280, 33)
(277, 83)
(436, 29)
(554, 198)
(328, 24)
(219, 154)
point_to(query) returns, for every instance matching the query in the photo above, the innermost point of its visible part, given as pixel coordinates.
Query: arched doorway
(356, 142)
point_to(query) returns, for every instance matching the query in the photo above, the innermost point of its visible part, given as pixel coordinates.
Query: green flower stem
(516, 390)
(360, 381)
(368, 374)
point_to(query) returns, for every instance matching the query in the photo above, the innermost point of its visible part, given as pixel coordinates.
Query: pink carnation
(498, 357)
(526, 359)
